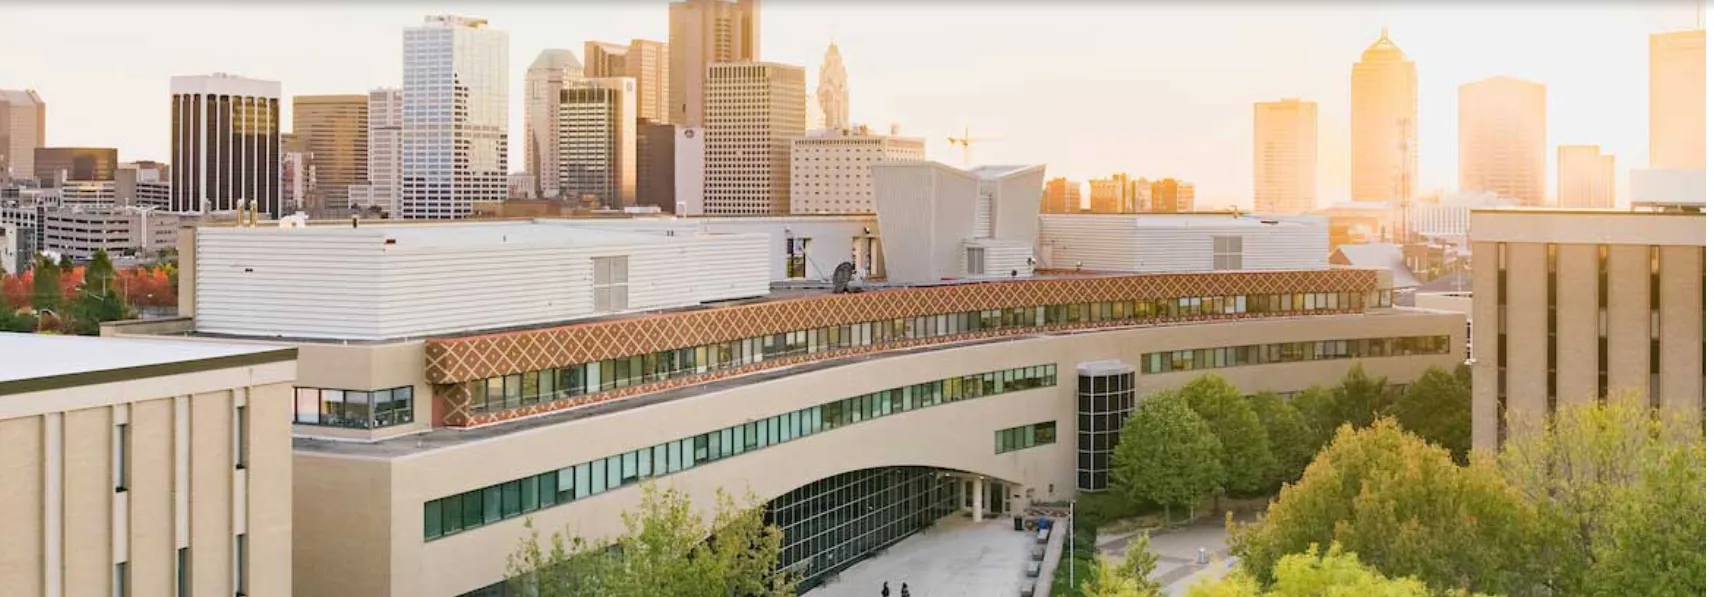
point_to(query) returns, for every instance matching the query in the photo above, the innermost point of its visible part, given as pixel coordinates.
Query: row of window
(492, 504)
(1291, 352)
(353, 408)
(1028, 436)
(528, 388)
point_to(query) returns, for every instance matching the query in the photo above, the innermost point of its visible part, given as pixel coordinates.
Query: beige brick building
(1572, 306)
(147, 468)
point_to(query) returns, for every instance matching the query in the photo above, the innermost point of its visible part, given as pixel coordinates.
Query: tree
(1166, 454)
(1403, 507)
(1437, 408)
(1245, 458)
(1620, 493)
(1128, 578)
(1315, 405)
(1361, 400)
(1289, 438)
(1337, 573)
(93, 308)
(45, 293)
(13, 321)
(98, 275)
(66, 263)
(667, 549)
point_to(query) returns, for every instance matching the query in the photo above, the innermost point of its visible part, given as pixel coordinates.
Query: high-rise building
(1383, 124)
(830, 169)
(656, 147)
(379, 192)
(1573, 309)
(1285, 157)
(1678, 100)
(598, 141)
(549, 74)
(1502, 139)
(1061, 196)
(1170, 195)
(602, 59)
(23, 128)
(455, 117)
(143, 184)
(1113, 195)
(54, 164)
(832, 95)
(335, 131)
(226, 143)
(1585, 177)
(297, 178)
(755, 110)
(644, 60)
(552, 71)
(706, 32)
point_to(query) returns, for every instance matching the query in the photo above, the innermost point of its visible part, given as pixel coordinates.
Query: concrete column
(976, 504)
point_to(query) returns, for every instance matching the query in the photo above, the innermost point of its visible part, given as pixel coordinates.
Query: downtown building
(379, 193)
(832, 95)
(1383, 124)
(1585, 177)
(334, 131)
(703, 33)
(552, 72)
(439, 433)
(23, 128)
(644, 60)
(453, 148)
(1285, 154)
(1678, 100)
(830, 168)
(754, 112)
(597, 136)
(81, 164)
(1061, 196)
(1502, 139)
(225, 144)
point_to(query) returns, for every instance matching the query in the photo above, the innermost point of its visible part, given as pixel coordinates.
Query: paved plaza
(1177, 569)
(955, 558)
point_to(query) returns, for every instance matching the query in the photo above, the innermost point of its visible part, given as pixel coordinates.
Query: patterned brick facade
(452, 361)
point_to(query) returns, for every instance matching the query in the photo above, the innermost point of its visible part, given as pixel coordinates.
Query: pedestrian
(904, 589)
(885, 592)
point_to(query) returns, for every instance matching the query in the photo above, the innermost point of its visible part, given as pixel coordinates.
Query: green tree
(1614, 516)
(1361, 400)
(1289, 438)
(45, 291)
(1437, 408)
(66, 264)
(1167, 455)
(98, 275)
(92, 308)
(667, 549)
(1336, 573)
(1315, 406)
(1127, 578)
(14, 321)
(1245, 457)
(1403, 507)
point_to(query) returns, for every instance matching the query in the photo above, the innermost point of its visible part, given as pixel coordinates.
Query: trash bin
(1017, 523)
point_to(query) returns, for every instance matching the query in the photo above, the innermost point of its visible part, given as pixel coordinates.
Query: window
(241, 437)
(975, 260)
(183, 580)
(797, 257)
(121, 457)
(612, 283)
(122, 579)
(241, 564)
(362, 409)
(1228, 253)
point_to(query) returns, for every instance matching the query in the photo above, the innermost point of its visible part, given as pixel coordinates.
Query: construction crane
(963, 143)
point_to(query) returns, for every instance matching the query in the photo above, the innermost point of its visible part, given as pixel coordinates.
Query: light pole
(1071, 534)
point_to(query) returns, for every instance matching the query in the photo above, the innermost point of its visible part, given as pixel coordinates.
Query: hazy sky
(1154, 89)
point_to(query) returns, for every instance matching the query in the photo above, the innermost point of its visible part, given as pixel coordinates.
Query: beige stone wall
(372, 544)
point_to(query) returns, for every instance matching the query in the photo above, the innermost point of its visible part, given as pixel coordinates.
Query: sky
(1153, 89)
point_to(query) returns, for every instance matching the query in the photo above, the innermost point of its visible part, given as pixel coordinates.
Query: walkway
(954, 558)
(1177, 569)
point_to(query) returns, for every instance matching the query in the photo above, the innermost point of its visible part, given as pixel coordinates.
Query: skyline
(939, 70)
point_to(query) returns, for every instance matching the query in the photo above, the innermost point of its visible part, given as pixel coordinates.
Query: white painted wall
(926, 210)
(831, 237)
(1175, 243)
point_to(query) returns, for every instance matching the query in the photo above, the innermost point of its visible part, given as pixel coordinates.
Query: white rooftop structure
(40, 356)
(381, 282)
(1669, 187)
(939, 222)
(1182, 243)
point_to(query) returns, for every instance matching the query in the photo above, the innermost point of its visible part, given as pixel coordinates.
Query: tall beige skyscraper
(1285, 156)
(832, 95)
(335, 131)
(1112, 195)
(598, 141)
(1383, 124)
(1502, 139)
(1170, 195)
(1061, 196)
(552, 71)
(646, 61)
(755, 110)
(1585, 177)
(1678, 100)
(23, 128)
(705, 32)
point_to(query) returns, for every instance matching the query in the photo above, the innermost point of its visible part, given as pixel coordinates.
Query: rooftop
(29, 361)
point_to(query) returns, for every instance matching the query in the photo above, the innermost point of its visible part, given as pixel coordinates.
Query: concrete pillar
(976, 504)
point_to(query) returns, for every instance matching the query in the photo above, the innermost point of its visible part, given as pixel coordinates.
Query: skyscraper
(831, 95)
(335, 131)
(75, 164)
(598, 141)
(1285, 156)
(382, 181)
(1061, 196)
(1170, 195)
(23, 128)
(755, 110)
(1585, 177)
(705, 32)
(656, 148)
(1502, 139)
(1678, 100)
(1113, 195)
(454, 133)
(643, 60)
(1383, 124)
(551, 72)
(602, 59)
(226, 143)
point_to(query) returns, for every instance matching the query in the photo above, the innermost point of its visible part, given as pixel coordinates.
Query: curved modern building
(456, 380)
